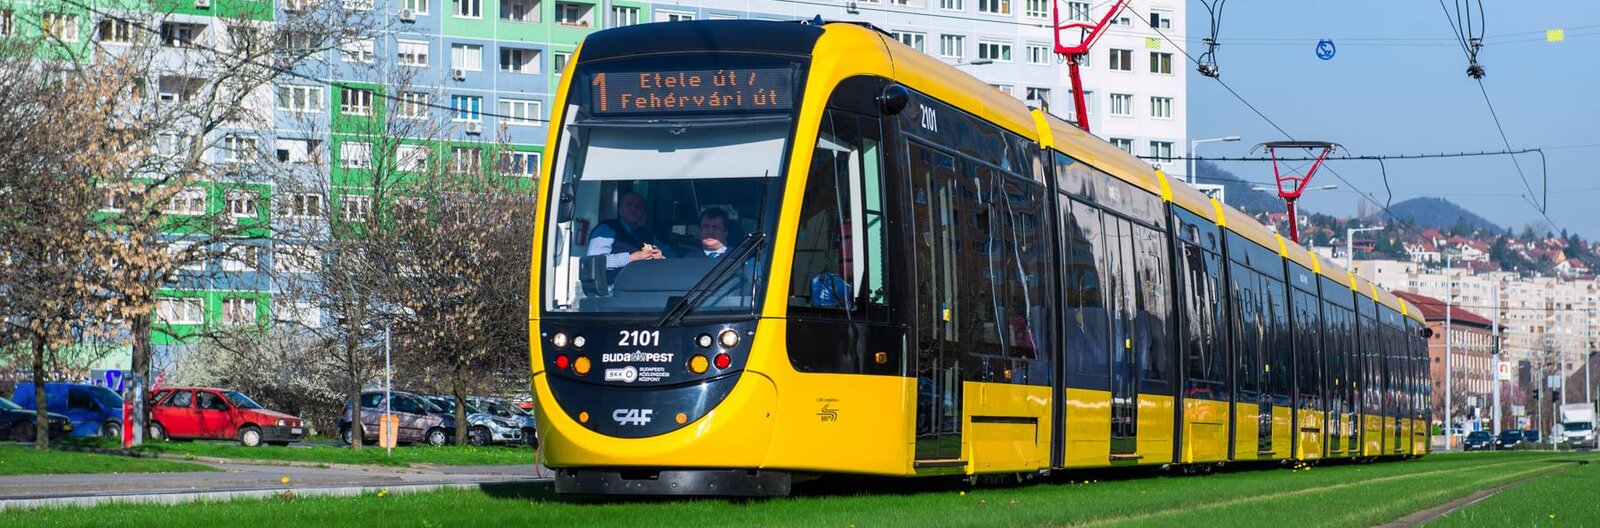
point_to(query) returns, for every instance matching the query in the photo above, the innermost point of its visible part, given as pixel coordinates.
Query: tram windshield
(669, 176)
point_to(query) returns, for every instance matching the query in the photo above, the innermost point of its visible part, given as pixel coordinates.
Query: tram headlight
(581, 366)
(559, 340)
(729, 338)
(703, 340)
(578, 341)
(698, 364)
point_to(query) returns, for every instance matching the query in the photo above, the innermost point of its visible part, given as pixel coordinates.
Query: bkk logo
(625, 374)
(639, 417)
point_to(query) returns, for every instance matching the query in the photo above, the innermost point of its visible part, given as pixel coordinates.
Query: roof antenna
(817, 21)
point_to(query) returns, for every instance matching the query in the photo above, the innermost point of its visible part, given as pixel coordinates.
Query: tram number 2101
(930, 120)
(639, 338)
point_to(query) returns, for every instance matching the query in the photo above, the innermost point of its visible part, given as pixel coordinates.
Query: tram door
(1121, 305)
(935, 191)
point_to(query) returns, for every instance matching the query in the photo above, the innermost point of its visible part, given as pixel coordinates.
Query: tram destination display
(691, 91)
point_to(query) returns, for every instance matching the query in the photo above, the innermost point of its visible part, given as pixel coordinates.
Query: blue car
(93, 410)
(21, 424)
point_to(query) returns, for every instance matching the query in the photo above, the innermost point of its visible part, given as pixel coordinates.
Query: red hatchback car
(194, 412)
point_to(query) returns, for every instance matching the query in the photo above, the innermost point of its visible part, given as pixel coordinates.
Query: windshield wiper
(702, 290)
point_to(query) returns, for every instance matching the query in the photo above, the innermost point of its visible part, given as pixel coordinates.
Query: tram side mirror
(1427, 333)
(893, 99)
(566, 202)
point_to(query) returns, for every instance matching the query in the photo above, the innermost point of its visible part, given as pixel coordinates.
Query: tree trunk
(41, 430)
(461, 410)
(357, 434)
(139, 327)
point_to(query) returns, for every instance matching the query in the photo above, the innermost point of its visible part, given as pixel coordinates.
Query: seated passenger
(625, 239)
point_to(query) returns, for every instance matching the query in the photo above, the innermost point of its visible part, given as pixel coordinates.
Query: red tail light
(562, 362)
(723, 361)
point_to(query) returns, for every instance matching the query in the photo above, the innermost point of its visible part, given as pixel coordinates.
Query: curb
(250, 461)
(228, 495)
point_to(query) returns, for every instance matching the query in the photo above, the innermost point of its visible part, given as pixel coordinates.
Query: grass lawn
(25, 460)
(1565, 498)
(452, 455)
(1339, 495)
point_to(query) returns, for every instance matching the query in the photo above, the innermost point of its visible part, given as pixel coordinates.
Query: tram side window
(1154, 315)
(1087, 338)
(840, 250)
(1021, 252)
(1249, 330)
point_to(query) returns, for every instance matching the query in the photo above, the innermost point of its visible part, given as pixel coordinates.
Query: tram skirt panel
(1311, 433)
(1205, 431)
(1155, 428)
(1088, 441)
(1009, 427)
(1246, 431)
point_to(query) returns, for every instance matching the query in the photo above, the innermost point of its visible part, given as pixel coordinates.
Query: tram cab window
(841, 244)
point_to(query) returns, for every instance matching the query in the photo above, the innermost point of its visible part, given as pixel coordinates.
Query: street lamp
(1195, 145)
(1449, 296)
(1350, 246)
(975, 62)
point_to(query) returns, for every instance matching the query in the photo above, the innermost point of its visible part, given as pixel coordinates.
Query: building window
(355, 155)
(1036, 9)
(411, 158)
(411, 53)
(1161, 107)
(303, 205)
(189, 201)
(995, 51)
(519, 11)
(558, 61)
(517, 60)
(522, 112)
(5, 22)
(1039, 54)
(180, 311)
(573, 14)
(1042, 95)
(1122, 19)
(291, 150)
(357, 51)
(519, 163)
(469, 8)
(1161, 151)
(1161, 63)
(297, 259)
(1123, 143)
(302, 313)
(465, 160)
(951, 45)
(466, 57)
(240, 258)
(1160, 19)
(115, 31)
(356, 207)
(624, 16)
(355, 101)
(238, 148)
(59, 26)
(950, 5)
(417, 7)
(467, 107)
(111, 198)
(1078, 11)
(673, 16)
(914, 40)
(1003, 87)
(176, 35)
(413, 105)
(300, 98)
(1121, 104)
(995, 7)
(1121, 59)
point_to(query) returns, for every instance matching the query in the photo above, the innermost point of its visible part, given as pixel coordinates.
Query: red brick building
(1472, 357)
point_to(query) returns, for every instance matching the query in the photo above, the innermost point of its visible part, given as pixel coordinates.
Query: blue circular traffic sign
(1326, 49)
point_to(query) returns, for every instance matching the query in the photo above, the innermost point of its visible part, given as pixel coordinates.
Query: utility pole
(1449, 372)
(1494, 352)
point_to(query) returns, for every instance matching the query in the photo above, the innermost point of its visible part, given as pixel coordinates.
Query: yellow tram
(770, 251)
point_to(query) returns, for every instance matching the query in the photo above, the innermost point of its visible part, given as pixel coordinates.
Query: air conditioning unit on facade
(407, 15)
(474, 128)
(202, 4)
(459, 74)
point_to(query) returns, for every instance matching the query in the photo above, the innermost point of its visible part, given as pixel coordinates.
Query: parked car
(1508, 439)
(505, 410)
(1531, 435)
(201, 412)
(1477, 441)
(22, 423)
(482, 427)
(417, 424)
(92, 409)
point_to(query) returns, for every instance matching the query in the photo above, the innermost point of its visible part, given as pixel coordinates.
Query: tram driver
(713, 234)
(626, 239)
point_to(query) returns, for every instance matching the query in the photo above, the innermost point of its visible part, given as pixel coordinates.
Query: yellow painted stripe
(1316, 264)
(1283, 249)
(1352, 275)
(1221, 220)
(1403, 308)
(1166, 187)
(1047, 137)
(1374, 289)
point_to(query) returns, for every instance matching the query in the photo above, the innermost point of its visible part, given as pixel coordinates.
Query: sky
(1397, 84)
